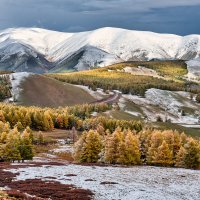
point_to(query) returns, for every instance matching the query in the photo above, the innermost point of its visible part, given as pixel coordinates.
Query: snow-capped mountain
(39, 50)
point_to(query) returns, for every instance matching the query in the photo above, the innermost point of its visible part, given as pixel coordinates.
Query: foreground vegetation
(112, 78)
(103, 140)
(152, 147)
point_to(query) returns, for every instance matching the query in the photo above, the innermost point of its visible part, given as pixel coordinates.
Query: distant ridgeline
(40, 51)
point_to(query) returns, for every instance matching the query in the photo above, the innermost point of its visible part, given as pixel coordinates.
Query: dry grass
(65, 156)
(39, 90)
(56, 134)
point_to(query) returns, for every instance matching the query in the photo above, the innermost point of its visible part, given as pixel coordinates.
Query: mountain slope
(39, 50)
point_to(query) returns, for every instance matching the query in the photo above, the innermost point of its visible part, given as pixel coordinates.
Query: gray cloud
(80, 15)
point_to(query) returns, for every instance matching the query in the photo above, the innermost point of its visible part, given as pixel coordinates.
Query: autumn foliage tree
(89, 147)
(15, 145)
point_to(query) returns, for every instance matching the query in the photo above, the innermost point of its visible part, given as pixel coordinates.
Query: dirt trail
(111, 99)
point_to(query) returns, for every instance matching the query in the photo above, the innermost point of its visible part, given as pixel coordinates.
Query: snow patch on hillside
(142, 182)
(16, 79)
(141, 71)
(193, 67)
(94, 57)
(168, 105)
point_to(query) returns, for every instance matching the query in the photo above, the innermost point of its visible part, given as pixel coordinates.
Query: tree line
(151, 147)
(44, 119)
(112, 79)
(5, 87)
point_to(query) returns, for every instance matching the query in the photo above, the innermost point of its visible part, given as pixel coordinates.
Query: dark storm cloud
(173, 16)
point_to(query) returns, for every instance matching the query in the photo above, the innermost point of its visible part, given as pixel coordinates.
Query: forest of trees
(16, 137)
(152, 147)
(5, 87)
(103, 140)
(44, 119)
(110, 78)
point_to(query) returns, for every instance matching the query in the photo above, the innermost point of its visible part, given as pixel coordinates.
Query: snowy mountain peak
(39, 50)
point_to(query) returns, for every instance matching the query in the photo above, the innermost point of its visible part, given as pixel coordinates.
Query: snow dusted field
(166, 104)
(134, 183)
(193, 67)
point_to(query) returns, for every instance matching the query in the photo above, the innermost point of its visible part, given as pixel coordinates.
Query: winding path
(111, 99)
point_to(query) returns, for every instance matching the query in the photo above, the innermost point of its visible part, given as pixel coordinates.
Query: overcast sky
(165, 16)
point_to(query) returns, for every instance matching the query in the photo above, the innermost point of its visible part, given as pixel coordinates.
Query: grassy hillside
(42, 91)
(113, 78)
(170, 69)
(169, 77)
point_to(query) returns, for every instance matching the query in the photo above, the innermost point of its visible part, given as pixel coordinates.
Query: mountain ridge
(40, 50)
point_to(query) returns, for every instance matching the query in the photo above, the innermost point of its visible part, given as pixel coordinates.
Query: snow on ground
(133, 113)
(104, 45)
(63, 147)
(168, 105)
(193, 67)
(16, 79)
(140, 182)
(95, 57)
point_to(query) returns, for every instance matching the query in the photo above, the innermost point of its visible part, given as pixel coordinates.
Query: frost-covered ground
(134, 183)
(193, 67)
(176, 106)
(62, 147)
